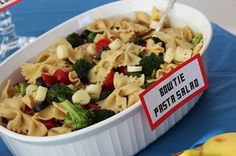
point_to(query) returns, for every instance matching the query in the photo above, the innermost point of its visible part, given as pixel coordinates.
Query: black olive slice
(40, 82)
(41, 106)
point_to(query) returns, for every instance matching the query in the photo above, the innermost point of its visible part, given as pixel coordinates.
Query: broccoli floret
(21, 88)
(75, 40)
(82, 67)
(198, 37)
(59, 93)
(91, 37)
(102, 114)
(77, 117)
(150, 63)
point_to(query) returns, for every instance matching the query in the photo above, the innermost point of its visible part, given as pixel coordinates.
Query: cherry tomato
(92, 105)
(61, 76)
(49, 123)
(28, 111)
(108, 82)
(123, 70)
(102, 43)
(48, 79)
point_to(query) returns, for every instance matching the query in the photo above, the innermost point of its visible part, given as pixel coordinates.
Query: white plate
(123, 134)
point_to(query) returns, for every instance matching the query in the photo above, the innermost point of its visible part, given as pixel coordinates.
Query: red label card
(4, 4)
(172, 91)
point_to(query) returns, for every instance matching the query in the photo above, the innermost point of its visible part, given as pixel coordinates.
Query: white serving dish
(123, 134)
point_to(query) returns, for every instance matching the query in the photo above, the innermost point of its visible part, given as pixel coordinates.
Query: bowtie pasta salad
(85, 78)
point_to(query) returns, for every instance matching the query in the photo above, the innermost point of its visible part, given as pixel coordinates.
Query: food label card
(4, 4)
(171, 92)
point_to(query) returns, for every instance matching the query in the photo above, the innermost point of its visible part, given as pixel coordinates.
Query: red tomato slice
(49, 123)
(48, 79)
(102, 43)
(108, 82)
(28, 111)
(92, 105)
(123, 70)
(61, 76)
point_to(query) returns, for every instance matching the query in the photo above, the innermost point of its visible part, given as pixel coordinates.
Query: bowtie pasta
(85, 78)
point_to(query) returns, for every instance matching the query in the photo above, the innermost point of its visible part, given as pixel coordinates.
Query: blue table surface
(215, 111)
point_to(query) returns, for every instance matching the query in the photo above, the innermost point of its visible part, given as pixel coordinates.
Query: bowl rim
(83, 133)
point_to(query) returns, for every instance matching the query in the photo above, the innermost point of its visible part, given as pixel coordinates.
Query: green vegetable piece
(146, 85)
(94, 98)
(138, 74)
(91, 36)
(21, 88)
(102, 114)
(77, 117)
(198, 37)
(105, 93)
(150, 63)
(75, 40)
(153, 75)
(59, 93)
(82, 67)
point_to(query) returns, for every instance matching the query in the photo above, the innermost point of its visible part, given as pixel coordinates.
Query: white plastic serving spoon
(167, 11)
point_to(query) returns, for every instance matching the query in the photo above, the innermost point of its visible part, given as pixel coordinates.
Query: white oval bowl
(126, 133)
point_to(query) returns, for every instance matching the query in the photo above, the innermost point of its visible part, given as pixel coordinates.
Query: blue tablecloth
(214, 113)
